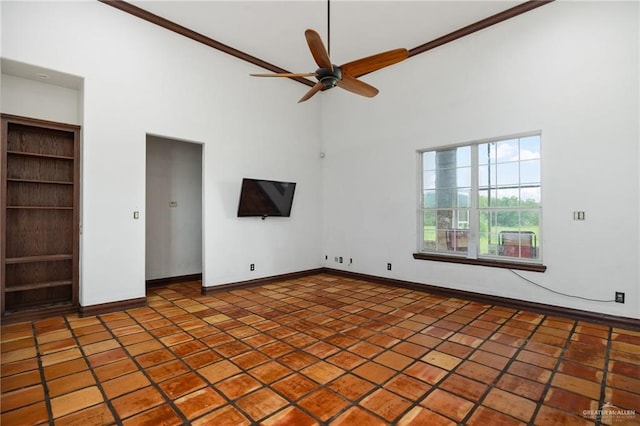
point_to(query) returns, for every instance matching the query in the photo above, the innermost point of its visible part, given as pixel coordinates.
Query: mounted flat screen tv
(259, 197)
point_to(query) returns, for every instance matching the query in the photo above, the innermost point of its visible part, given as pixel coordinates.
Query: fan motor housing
(329, 78)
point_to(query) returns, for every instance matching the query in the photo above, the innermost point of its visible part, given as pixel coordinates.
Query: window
(482, 201)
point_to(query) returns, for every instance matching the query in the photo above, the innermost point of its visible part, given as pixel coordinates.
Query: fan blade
(315, 89)
(358, 87)
(372, 63)
(318, 50)
(287, 74)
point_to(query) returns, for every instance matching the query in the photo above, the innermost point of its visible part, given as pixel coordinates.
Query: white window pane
(507, 198)
(493, 197)
(463, 177)
(484, 156)
(483, 198)
(444, 219)
(429, 160)
(530, 220)
(519, 244)
(463, 156)
(486, 176)
(446, 159)
(429, 179)
(488, 244)
(530, 171)
(446, 197)
(429, 229)
(487, 153)
(464, 197)
(429, 217)
(446, 178)
(530, 147)
(457, 240)
(508, 150)
(429, 199)
(507, 174)
(530, 196)
(507, 220)
(461, 219)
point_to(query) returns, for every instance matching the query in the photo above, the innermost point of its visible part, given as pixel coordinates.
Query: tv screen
(259, 197)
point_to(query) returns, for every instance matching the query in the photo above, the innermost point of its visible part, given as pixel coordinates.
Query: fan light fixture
(344, 76)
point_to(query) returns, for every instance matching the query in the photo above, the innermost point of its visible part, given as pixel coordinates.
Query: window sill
(522, 266)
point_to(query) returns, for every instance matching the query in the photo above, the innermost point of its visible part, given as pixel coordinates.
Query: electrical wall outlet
(340, 259)
(252, 267)
(619, 297)
(388, 266)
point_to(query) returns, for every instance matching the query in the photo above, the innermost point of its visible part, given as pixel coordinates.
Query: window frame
(473, 255)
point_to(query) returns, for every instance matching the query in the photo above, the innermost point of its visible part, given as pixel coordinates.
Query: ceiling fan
(344, 76)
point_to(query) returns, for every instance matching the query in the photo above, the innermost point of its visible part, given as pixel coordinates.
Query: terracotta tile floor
(318, 350)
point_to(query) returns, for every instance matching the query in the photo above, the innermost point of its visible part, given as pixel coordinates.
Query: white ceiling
(274, 30)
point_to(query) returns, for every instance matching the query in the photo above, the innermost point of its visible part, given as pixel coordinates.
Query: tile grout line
(467, 358)
(243, 370)
(293, 372)
(302, 331)
(228, 400)
(512, 359)
(45, 387)
(605, 372)
(105, 398)
(376, 386)
(324, 385)
(443, 340)
(449, 373)
(332, 299)
(559, 360)
(416, 360)
(155, 385)
(397, 372)
(303, 314)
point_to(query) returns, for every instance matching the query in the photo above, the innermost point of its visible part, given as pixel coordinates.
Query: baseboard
(158, 282)
(259, 281)
(41, 312)
(105, 308)
(574, 314)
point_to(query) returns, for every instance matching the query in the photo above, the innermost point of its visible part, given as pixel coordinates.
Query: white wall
(174, 233)
(568, 69)
(30, 98)
(141, 79)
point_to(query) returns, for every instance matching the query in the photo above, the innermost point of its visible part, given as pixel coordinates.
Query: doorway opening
(173, 211)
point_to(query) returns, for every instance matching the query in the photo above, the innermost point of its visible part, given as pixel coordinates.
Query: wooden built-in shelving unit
(40, 215)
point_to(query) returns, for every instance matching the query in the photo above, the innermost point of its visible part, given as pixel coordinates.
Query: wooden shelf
(33, 154)
(41, 258)
(35, 286)
(55, 182)
(40, 207)
(39, 215)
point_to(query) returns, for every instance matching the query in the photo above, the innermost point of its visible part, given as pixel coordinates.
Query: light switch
(578, 215)
(173, 204)
(136, 215)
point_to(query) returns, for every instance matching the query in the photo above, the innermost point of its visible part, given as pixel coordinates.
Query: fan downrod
(329, 78)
